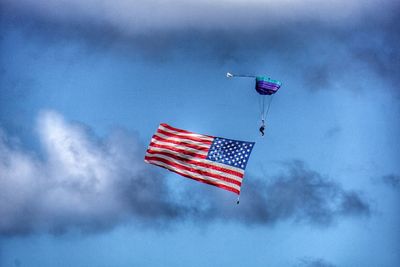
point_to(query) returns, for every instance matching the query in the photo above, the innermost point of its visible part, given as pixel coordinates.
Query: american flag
(212, 160)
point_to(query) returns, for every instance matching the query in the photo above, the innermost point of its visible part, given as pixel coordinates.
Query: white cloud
(78, 182)
(133, 17)
(72, 153)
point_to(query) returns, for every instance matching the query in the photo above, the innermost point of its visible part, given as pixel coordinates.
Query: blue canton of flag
(234, 153)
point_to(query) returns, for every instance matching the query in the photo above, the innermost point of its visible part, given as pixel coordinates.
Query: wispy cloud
(314, 262)
(392, 180)
(93, 184)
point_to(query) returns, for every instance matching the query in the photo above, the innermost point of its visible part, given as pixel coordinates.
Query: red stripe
(200, 180)
(182, 131)
(175, 129)
(200, 148)
(207, 142)
(194, 162)
(178, 166)
(182, 151)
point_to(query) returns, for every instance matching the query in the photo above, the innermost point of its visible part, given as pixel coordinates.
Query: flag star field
(230, 152)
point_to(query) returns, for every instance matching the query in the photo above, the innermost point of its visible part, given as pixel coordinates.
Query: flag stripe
(167, 133)
(199, 142)
(185, 134)
(200, 162)
(183, 150)
(177, 141)
(231, 187)
(195, 170)
(198, 165)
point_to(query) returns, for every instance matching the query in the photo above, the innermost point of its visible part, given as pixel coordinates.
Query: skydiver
(262, 128)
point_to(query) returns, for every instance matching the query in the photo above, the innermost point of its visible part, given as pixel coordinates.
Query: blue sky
(84, 85)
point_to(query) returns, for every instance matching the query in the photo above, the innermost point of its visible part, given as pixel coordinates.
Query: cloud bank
(299, 194)
(93, 184)
(133, 17)
(81, 181)
(327, 43)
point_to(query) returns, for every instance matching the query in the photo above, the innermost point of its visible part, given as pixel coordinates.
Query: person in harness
(262, 128)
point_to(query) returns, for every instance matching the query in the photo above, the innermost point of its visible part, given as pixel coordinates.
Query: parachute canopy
(267, 86)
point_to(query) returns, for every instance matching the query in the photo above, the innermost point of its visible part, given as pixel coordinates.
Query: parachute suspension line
(269, 105)
(263, 108)
(238, 200)
(264, 113)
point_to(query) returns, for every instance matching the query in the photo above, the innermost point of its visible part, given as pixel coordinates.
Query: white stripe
(221, 165)
(198, 176)
(206, 138)
(197, 143)
(192, 150)
(221, 173)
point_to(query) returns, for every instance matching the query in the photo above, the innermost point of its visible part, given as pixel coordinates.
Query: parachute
(265, 86)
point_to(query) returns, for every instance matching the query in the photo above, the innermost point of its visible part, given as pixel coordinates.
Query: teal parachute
(267, 86)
